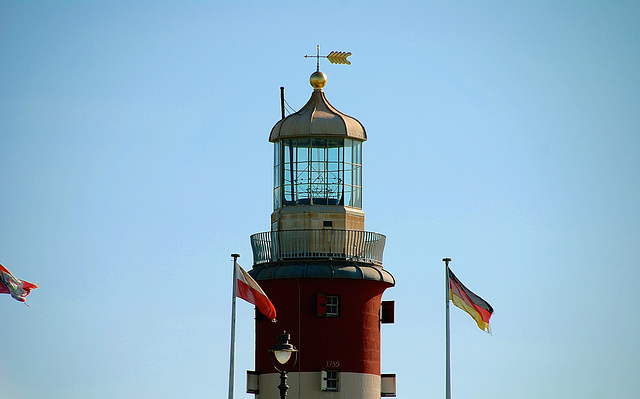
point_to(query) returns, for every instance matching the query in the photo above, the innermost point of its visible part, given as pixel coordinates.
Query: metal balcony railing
(363, 246)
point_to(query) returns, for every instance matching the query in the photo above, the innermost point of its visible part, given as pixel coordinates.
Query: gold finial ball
(318, 80)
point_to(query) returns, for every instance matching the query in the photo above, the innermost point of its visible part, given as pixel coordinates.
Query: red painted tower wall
(349, 342)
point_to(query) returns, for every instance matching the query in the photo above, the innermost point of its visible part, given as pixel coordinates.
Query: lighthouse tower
(320, 268)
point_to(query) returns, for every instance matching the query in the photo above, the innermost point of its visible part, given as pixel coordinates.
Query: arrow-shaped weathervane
(338, 57)
(334, 57)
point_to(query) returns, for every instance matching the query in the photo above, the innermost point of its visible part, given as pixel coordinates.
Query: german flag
(466, 300)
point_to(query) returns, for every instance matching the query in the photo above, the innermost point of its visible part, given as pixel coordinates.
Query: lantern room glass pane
(357, 153)
(277, 198)
(303, 147)
(348, 151)
(318, 171)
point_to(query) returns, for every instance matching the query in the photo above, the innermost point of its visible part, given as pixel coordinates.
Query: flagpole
(448, 339)
(232, 351)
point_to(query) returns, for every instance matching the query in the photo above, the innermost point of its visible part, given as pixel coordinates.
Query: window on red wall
(328, 305)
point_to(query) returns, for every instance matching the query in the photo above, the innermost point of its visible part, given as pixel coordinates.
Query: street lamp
(282, 352)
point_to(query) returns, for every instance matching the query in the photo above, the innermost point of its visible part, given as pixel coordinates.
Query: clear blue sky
(134, 159)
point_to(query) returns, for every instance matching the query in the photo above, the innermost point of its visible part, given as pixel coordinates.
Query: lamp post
(282, 352)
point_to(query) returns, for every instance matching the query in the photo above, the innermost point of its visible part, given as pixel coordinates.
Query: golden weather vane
(334, 57)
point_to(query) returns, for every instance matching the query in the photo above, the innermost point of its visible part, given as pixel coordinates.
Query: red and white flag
(250, 291)
(18, 289)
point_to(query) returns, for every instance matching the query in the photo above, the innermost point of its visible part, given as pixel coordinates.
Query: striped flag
(19, 289)
(466, 300)
(250, 291)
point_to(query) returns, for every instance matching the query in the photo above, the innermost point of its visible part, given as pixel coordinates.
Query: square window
(328, 305)
(332, 306)
(330, 379)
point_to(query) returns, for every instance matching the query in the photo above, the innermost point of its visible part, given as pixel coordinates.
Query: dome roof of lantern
(318, 118)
